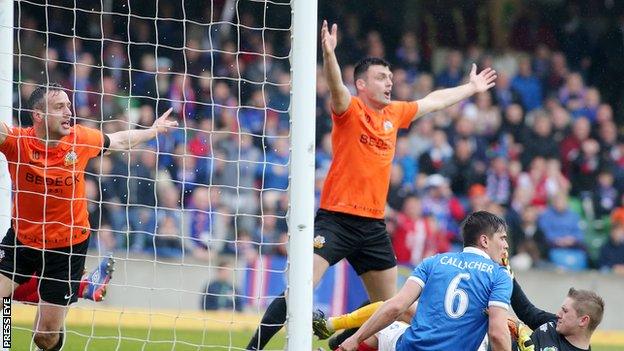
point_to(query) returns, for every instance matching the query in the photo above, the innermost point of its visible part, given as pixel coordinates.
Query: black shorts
(364, 242)
(60, 270)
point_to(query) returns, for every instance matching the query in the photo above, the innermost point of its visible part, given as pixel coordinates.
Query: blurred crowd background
(543, 148)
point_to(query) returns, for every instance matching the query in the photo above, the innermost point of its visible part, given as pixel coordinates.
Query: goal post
(301, 219)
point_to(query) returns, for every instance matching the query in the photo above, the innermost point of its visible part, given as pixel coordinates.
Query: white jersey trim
(417, 280)
(499, 304)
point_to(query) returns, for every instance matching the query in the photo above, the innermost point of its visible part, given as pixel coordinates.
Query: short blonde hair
(588, 303)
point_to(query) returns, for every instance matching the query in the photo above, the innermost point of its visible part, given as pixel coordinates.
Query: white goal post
(301, 224)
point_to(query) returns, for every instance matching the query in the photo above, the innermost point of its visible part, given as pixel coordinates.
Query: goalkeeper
(49, 233)
(568, 330)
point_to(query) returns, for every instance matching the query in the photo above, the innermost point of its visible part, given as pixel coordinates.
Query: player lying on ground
(92, 286)
(570, 329)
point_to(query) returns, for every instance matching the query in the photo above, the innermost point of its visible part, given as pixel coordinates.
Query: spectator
(540, 142)
(416, 236)
(407, 162)
(527, 85)
(608, 138)
(486, 116)
(561, 121)
(514, 125)
(478, 198)
(204, 238)
(420, 137)
(605, 196)
(144, 79)
(591, 104)
(612, 252)
(397, 191)
(561, 225)
(571, 146)
(408, 55)
(273, 174)
(269, 234)
(504, 95)
(452, 73)
(440, 203)
(528, 241)
(462, 169)
(498, 181)
(572, 95)
(585, 168)
(556, 182)
(169, 223)
(221, 292)
(142, 199)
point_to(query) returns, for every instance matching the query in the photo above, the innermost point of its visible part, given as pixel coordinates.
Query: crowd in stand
(542, 149)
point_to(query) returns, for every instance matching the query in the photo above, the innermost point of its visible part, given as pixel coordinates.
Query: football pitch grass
(83, 338)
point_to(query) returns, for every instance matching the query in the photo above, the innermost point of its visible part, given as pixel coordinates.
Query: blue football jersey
(457, 288)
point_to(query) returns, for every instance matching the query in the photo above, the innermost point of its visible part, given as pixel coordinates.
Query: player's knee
(45, 340)
(7, 286)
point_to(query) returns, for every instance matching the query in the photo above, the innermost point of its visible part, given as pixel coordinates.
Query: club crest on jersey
(1, 255)
(319, 241)
(71, 158)
(388, 125)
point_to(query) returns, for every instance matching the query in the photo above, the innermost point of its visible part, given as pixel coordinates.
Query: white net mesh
(196, 218)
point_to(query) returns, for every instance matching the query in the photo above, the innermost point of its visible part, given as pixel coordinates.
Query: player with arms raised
(50, 227)
(350, 222)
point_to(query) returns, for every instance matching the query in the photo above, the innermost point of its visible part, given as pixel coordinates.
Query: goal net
(201, 220)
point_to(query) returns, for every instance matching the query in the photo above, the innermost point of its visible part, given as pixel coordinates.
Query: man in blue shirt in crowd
(454, 290)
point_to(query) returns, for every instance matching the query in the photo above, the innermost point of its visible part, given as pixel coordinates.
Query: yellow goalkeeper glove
(521, 334)
(505, 263)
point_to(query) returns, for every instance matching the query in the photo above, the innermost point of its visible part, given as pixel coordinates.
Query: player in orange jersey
(349, 223)
(50, 228)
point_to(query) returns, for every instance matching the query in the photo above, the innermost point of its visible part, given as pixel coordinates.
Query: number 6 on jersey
(452, 292)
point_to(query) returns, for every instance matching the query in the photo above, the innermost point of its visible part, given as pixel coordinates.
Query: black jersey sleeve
(526, 311)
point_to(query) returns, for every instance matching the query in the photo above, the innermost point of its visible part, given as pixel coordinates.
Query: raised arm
(526, 310)
(444, 98)
(340, 95)
(127, 139)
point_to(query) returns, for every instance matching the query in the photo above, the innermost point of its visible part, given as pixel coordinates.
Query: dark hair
(587, 303)
(362, 66)
(479, 223)
(38, 95)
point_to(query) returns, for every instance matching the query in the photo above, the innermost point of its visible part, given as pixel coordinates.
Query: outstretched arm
(385, 315)
(526, 311)
(127, 139)
(340, 95)
(444, 98)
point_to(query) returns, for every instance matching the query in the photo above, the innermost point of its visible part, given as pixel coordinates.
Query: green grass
(109, 339)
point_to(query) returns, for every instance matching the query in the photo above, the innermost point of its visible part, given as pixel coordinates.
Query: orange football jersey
(363, 144)
(49, 204)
